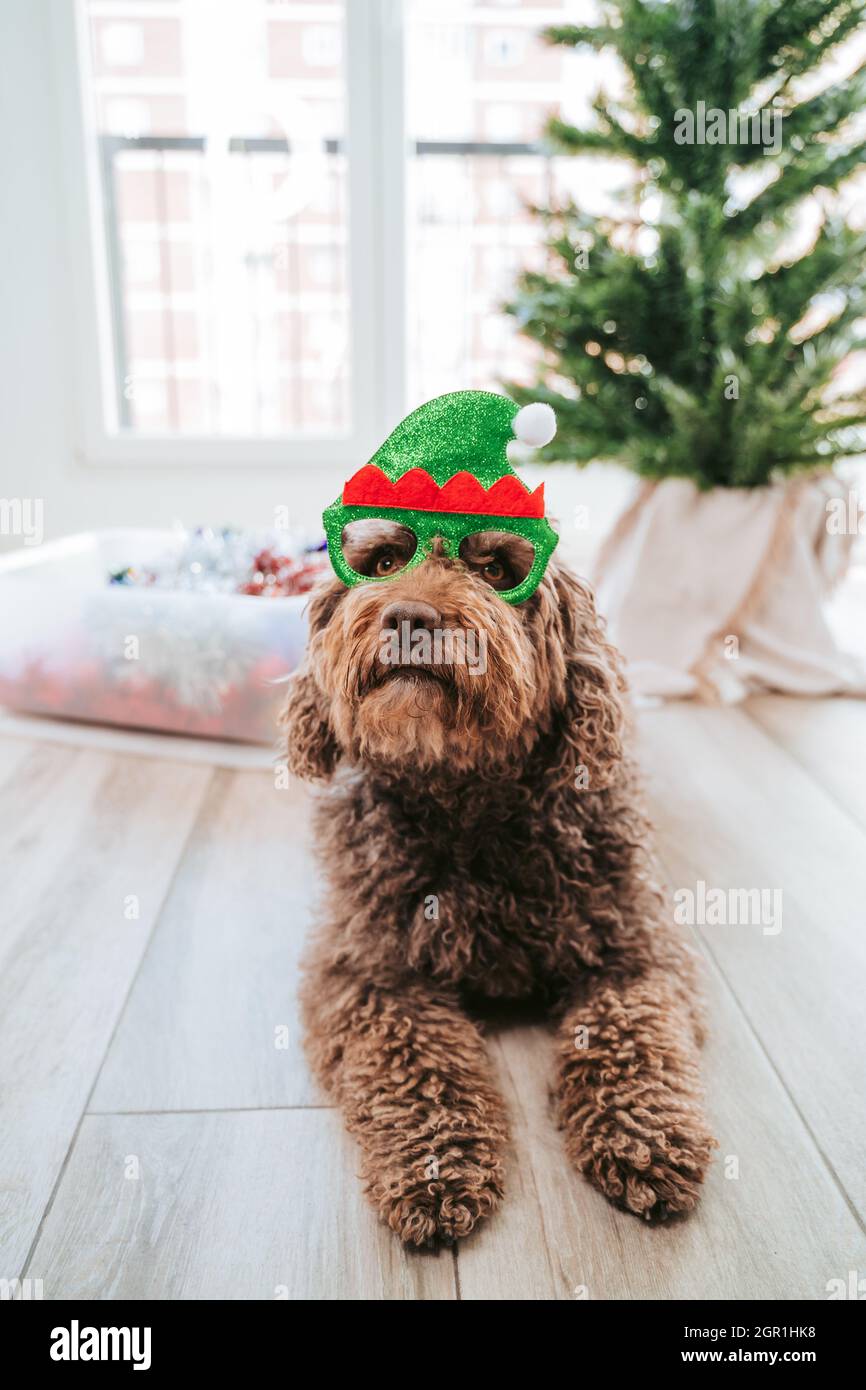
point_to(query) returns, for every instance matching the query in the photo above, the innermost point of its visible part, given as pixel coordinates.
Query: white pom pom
(534, 424)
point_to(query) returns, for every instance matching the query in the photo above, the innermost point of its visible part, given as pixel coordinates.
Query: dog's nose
(417, 615)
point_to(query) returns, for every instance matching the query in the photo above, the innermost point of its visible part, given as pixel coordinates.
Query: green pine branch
(695, 359)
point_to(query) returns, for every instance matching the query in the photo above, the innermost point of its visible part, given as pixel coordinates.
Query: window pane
(220, 132)
(474, 169)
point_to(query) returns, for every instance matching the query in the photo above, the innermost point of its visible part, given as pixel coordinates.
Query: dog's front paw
(652, 1171)
(435, 1197)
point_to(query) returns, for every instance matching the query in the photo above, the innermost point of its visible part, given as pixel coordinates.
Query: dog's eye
(502, 559)
(384, 562)
(497, 573)
(377, 548)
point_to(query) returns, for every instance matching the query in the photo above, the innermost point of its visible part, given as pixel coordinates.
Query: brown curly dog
(482, 837)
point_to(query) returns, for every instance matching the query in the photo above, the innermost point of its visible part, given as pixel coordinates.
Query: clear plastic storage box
(77, 647)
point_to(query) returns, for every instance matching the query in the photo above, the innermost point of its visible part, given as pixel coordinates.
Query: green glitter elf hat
(444, 473)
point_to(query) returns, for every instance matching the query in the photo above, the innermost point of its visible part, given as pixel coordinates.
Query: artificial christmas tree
(698, 337)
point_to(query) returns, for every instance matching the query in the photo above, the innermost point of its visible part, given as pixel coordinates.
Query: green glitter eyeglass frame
(452, 529)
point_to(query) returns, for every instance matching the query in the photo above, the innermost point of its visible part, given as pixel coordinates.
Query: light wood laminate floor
(160, 1134)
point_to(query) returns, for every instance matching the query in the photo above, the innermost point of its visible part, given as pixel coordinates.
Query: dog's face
(434, 670)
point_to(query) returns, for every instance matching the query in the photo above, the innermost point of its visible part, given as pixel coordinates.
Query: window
(476, 168)
(301, 219)
(220, 139)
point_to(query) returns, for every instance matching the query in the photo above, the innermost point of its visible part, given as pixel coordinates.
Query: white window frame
(376, 145)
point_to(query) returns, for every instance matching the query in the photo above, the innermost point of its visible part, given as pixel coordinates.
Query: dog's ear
(592, 711)
(311, 750)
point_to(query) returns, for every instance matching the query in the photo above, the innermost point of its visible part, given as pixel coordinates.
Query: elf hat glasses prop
(444, 474)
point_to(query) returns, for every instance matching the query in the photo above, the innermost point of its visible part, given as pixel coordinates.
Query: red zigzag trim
(417, 491)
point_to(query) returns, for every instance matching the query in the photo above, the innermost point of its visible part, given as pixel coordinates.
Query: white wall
(38, 455)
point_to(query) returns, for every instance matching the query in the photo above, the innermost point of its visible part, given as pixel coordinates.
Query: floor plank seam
(837, 1181)
(122, 1010)
(828, 791)
(455, 1260)
(211, 1110)
(516, 1097)
(707, 953)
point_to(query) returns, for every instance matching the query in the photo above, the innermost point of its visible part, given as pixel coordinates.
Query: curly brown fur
(410, 1072)
(482, 835)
